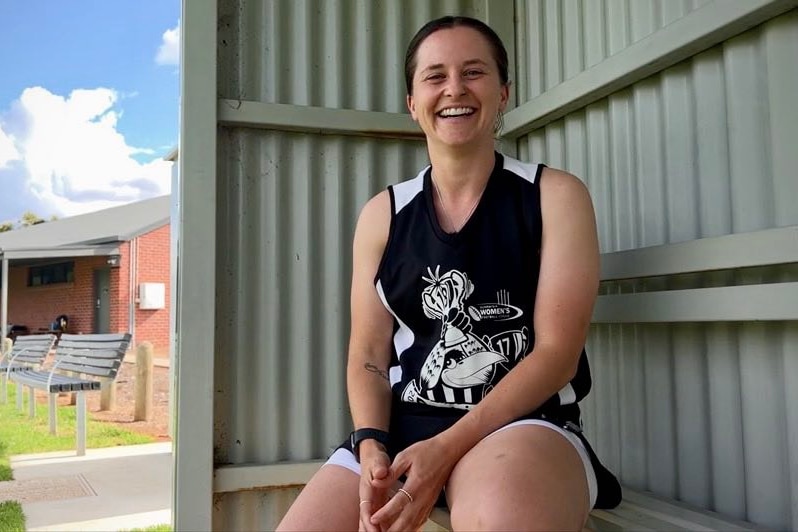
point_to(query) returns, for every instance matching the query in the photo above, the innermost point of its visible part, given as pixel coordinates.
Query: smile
(456, 111)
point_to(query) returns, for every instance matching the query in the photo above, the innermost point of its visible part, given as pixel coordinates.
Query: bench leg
(81, 424)
(19, 396)
(31, 402)
(3, 397)
(52, 411)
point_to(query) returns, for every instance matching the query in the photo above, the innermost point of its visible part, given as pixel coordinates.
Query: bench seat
(27, 352)
(82, 363)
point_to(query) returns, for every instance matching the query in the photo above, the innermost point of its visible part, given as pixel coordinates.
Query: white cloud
(169, 51)
(8, 152)
(73, 159)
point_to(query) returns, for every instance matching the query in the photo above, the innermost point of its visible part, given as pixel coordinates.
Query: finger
(386, 515)
(365, 524)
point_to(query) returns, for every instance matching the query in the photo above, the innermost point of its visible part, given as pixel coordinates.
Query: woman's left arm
(566, 293)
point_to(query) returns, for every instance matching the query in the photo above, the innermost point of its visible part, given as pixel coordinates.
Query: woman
(472, 292)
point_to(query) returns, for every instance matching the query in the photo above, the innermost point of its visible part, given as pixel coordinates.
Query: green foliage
(29, 218)
(11, 517)
(6, 226)
(153, 528)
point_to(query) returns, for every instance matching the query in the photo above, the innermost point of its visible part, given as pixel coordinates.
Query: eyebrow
(470, 62)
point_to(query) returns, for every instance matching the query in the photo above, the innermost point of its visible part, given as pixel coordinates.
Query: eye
(473, 73)
(434, 77)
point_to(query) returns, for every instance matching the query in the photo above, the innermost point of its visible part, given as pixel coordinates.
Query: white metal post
(4, 299)
(31, 402)
(81, 424)
(53, 421)
(193, 486)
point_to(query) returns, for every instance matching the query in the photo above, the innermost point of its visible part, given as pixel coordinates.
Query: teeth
(457, 111)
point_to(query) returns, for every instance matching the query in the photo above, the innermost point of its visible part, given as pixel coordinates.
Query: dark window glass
(63, 272)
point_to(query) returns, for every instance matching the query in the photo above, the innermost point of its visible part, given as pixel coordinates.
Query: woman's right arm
(372, 325)
(367, 380)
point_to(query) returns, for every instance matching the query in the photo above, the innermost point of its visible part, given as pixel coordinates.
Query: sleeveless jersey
(463, 303)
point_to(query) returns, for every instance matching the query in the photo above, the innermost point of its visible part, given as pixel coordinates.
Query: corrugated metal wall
(558, 39)
(706, 413)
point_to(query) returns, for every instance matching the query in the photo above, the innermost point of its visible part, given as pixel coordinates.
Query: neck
(462, 173)
(459, 179)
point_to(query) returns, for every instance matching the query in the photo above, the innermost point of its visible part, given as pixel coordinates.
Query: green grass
(153, 528)
(21, 435)
(11, 517)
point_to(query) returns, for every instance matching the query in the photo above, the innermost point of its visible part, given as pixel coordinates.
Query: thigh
(328, 502)
(527, 477)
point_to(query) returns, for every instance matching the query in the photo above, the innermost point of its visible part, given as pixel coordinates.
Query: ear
(504, 96)
(411, 106)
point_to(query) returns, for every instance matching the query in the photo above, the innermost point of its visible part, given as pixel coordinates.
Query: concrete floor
(119, 488)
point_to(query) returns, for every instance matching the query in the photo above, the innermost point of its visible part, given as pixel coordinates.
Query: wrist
(368, 439)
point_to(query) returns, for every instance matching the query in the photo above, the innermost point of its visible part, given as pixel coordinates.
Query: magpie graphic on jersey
(461, 359)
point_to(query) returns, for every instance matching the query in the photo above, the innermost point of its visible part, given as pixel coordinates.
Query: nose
(455, 86)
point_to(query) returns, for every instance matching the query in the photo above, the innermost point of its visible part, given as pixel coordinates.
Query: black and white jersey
(463, 303)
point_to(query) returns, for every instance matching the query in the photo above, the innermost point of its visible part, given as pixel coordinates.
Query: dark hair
(443, 23)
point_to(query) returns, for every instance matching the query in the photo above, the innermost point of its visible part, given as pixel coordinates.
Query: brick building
(107, 271)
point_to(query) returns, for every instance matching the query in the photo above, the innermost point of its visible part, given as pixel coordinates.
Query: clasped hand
(385, 509)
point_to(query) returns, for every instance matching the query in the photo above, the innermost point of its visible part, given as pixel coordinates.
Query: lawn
(22, 435)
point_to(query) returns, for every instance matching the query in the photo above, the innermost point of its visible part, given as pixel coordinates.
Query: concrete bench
(81, 363)
(27, 352)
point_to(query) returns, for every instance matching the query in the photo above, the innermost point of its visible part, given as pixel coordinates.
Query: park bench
(82, 363)
(27, 352)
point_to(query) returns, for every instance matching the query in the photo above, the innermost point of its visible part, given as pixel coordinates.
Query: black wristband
(366, 434)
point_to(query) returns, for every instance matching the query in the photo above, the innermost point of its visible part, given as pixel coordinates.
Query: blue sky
(89, 95)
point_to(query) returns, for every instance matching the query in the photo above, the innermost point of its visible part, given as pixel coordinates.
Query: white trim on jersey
(567, 395)
(395, 374)
(403, 338)
(528, 171)
(404, 192)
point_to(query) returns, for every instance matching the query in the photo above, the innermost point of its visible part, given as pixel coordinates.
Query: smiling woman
(472, 290)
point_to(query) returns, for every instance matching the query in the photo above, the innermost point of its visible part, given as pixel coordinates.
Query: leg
(31, 402)
(81, 423)
(328, 502)
(526, 477)
(51, 405)
(3, 393)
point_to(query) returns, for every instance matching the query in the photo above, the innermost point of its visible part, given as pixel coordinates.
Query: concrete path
(116, 488)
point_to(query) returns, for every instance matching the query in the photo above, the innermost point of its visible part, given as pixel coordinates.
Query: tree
(30, 218)
(6, 226)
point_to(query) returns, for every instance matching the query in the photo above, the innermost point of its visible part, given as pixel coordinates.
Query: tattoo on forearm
(374, 369)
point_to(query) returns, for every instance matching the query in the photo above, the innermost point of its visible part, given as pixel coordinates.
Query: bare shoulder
(560, 182)
(374, 222)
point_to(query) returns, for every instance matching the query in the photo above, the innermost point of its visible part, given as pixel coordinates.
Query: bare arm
(567, 288)
(372, 325)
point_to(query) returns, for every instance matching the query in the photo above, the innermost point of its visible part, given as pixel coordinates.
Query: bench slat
(91, 354)
(88, 370)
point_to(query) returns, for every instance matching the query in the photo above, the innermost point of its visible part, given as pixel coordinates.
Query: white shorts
(344, 458)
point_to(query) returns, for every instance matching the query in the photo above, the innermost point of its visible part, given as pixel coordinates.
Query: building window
(63, 272)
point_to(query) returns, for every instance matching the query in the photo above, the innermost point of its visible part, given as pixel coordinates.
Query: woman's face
(457, 92)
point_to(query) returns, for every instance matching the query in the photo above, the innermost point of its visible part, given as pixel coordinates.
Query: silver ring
(410, 497)
(364, 501)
